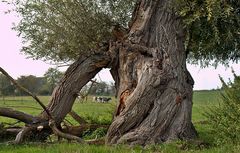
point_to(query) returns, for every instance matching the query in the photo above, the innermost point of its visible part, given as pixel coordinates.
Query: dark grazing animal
(102, 99)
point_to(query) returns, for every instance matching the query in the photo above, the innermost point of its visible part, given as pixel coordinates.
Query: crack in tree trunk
(154, 87)
(159, 106)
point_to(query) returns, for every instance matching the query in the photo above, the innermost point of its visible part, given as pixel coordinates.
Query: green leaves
(53, 77)
(225, 117)
(6, 87)
(213, 30)
(60, 30)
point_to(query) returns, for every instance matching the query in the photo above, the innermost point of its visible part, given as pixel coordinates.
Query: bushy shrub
(225, 118)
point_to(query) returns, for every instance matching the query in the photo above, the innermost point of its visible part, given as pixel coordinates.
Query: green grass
(64, 147)
(97, 112)
(67, 148)
(91, 111)
(202, 100)
(101, 113)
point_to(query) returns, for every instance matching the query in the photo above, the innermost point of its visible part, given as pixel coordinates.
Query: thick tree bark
(77, 75)
(154, 86)
(63, 97)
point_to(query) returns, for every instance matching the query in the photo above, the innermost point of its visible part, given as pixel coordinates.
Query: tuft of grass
(174, 147)
(102, 113)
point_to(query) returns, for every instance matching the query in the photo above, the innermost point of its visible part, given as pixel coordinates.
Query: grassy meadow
(101, 113)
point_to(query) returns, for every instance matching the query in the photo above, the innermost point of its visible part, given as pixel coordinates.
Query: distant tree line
(99, 89)
(45, 85)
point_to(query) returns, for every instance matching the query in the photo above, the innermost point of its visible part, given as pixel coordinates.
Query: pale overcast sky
(16, 63)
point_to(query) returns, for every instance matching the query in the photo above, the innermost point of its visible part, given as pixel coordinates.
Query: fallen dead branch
(59, 133)
(20, 136)
(30, 119)
(26, 118)
(25, 90)
(13, 130)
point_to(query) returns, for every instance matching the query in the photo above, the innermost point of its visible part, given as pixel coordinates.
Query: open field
(101, 113)
(91, 111)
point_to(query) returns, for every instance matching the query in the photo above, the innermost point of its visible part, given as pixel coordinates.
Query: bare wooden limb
(76, 117)
(100, 141)
(75, 77)
(56, 131)
(94, 81)
(14, 131)
(26, 91)
(86, 95)
(21, 135)
(26, 118)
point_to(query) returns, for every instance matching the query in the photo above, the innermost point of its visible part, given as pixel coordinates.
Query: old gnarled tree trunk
(77, 75)
(154, 85)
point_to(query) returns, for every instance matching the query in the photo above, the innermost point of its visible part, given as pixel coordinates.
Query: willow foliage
(213, 30)
(61, 30)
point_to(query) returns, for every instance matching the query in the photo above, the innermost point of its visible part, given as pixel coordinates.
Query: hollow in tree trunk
(154, 87)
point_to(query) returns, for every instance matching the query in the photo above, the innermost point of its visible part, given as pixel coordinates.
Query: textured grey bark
(154, 87)
(153, 83)
(77, 75)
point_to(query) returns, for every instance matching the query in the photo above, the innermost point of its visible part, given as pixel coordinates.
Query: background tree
(6, 88)
(52, 77)
(101, 89)
(32, 83)
(63, 30)
(212, 30)
(147, 56)
(112, 89)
